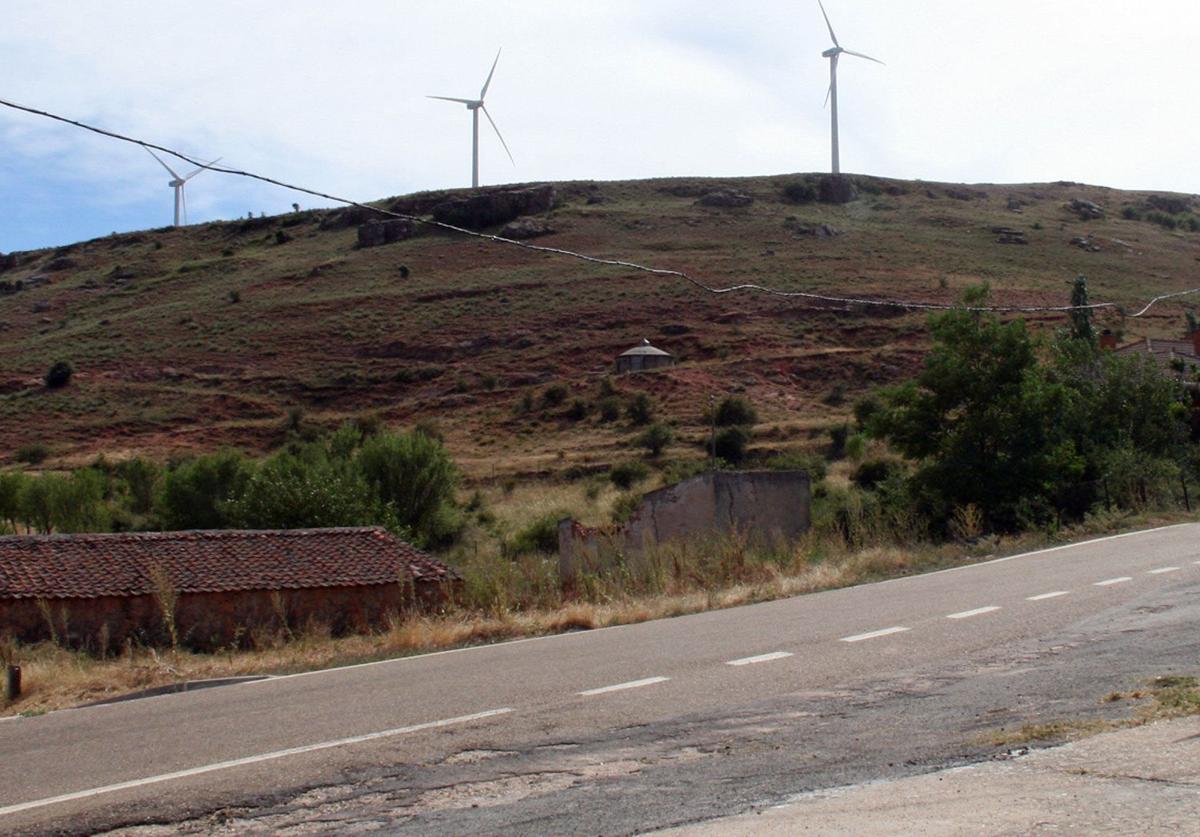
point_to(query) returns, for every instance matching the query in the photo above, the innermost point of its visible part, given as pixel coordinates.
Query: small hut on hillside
(643, 357)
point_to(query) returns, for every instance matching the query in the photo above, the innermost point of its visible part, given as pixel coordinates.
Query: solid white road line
(1053, 595)
(967, 614)
(873, 634)
(225, 765)
(761, 658)
(1162, 570)
(1109, 582)
(632, 684)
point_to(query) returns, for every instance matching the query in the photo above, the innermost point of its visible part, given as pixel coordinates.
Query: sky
(332, 96)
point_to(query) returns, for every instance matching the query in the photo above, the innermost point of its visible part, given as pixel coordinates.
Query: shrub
(194, 494)
(413, 477)
(34, 454)
(578, 410)
(731, 444)
(59, 374)
(539, 536)
(871, 473)
(838, 434)
(640, 409)
(735, 411)
(656, 437)
(836, 396)
(554, 395)
(292, 491)
(609, 408)
(625, 474)
(800, 191)
(799, 461)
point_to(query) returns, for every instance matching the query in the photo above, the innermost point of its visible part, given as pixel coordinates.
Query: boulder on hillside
(491, 209)
(725, 198)
(375, 233)
(816, 230)
(834, 188)
(523, 228)
(1086, 210)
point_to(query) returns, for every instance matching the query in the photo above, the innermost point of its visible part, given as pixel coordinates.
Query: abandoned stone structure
(765, 507)
(643, 357)
(217, 587)
(1175, 356)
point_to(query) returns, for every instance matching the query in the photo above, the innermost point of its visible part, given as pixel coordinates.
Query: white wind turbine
(475, 106)
(831, 98)
(177, 182)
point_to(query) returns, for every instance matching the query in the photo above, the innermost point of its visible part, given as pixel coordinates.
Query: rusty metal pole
(12, 683)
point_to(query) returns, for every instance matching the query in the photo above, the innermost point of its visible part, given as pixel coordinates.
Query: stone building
(90, 590)
(643, 357)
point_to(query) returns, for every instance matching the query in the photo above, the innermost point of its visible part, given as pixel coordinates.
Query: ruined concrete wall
(766, 507)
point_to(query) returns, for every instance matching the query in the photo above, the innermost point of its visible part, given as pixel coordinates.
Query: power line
(608, 262)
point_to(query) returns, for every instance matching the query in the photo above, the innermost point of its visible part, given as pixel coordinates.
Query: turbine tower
(177, 182)
(475, 106)
(831, 98)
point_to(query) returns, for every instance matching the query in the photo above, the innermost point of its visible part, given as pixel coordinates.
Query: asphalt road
(631, 728)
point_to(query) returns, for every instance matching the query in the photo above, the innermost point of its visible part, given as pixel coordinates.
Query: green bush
(795, 460)
(656, 437)
(194, 493)
(291, 491)
(413, 477)
(623, 475)
(578, 410)
(872, 472)
(59, 374)
(800, 191)
(554, 395)
(735, 411)
(731, 444)
(640, 409)
(609, 408)
(539, 536)
(12, 483)
(34, 454)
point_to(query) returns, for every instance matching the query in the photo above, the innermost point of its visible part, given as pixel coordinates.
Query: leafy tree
(56, 503)
(735, 411)
(194, 493)
(291, 491)
(640, 409)
(1081, 316)
(624, 474)
(59, 374)
(731, 444)
(11, 485)
(656, 437)
(413, 477)
(983, 421)
(141, 477)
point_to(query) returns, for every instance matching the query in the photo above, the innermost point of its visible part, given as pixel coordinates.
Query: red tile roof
(88, 566)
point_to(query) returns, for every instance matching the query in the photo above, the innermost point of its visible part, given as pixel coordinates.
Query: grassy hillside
(212, 335)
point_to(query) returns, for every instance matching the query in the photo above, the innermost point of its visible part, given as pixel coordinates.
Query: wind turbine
(177, 182)
(833, 53)
(475, 106)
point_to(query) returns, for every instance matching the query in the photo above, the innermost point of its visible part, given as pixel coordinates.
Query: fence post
(12, 683)
(1187, 502)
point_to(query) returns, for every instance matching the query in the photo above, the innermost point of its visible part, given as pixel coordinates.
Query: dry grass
(522, 598)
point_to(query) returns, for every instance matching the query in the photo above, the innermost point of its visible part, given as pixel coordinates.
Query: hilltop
(220, 334)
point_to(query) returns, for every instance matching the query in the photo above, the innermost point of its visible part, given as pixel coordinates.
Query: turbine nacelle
(475, 106)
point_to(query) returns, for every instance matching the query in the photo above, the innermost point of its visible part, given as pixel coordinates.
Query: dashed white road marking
(632, 684)
(1053, 595)
(261, 757)
(979, 611)
(761, 658)
(1162, 570)
(1109, 582)
(873, 634)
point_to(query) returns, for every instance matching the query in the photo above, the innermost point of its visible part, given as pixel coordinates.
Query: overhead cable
(610, 262)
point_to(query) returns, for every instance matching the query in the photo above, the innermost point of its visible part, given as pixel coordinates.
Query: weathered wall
(766, 507)
(210, 620)
(638, 363)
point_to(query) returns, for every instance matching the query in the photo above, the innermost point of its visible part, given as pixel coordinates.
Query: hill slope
(190, 339)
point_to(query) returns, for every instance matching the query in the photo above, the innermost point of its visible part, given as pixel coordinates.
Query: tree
(1081, 316)
(58, 375)
(11, 485)
(412, 475)
(194, 494)
(731, 444)
(983, 421)
(735, 411)
(299, 491)
(656, 437)
(640, 409)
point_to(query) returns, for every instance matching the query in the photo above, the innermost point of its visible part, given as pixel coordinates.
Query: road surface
(630, 728)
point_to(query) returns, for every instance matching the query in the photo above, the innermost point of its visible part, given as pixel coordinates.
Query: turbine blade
(828, 93)
(860, 55)
(827, 23)
(497, 130)
(161, 163)
(202, 168)
(183, 201)
(450, 99)
(483, 92)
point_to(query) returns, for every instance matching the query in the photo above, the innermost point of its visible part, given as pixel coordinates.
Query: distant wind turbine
(475, 106)
(831, 98)
(177, 182)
